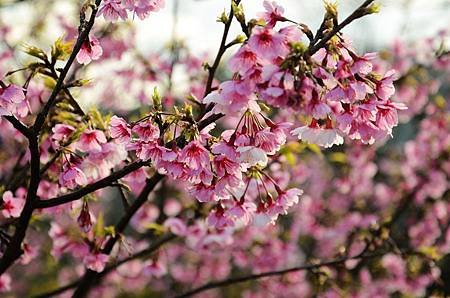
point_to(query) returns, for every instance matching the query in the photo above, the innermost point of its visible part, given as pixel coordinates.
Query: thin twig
(84, 34)
(105, 182)
(14, 249)
(358, 13)
(91, 278)
(139, 255)
(212, 69)
(236, 280)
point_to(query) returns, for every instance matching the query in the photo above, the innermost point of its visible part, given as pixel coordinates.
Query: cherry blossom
(176, 172)
(11, 206)
(90, 50)
(10, 98)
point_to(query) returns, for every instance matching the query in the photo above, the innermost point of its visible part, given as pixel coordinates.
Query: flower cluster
(113, 10)
(336, 88)
(214, 171)
(12, 101)
(85, 156)
(218, 170)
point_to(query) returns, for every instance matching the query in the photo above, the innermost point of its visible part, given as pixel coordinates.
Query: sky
(405, 19)
(197, 26)
(408, 19)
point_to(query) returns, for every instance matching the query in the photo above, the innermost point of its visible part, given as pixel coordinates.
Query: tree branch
(358, 13)
(22, 128)
(76, 195)
(84, 34)
(14, 249)
(212, 69)
(141, 254)
(236, 280)
(91, 278)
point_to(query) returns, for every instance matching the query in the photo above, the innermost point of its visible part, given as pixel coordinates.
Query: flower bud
(331, 10)
(238, 11)
(35, 52)
(61, 50)
(223, 18)
(373, 8)
(84, 219)
(156, 98)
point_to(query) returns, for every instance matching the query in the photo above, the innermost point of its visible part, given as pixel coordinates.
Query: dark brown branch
(212, 69)
(53, 74)
(139, 255)
(84, 34)
(58, 291)
(91, 278)
(102, 183)
(123, 197)
(358, 13)
(22, 128)
(14, 249)
(236, 280)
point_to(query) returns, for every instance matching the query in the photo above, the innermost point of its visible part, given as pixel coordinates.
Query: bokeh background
(405, 19)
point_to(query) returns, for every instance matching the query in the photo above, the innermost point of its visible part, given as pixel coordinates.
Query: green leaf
(338, 157)
(35, 52)
(61, 49)
(159, 229)
(314, 148)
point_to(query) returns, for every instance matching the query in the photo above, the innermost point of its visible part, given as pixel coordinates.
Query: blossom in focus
(91, 140)
(90, 50)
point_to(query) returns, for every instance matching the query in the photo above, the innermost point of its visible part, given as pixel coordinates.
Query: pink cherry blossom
(385, 88)
(195, 156)
(10, 98)
(146, 131)
(267, 43)
(5, 283)
(242, 211)
(112, 10)
(176, 226)
(90, 50)
(11, 206)
(289, 198)
(72, 176)
(142, 8)
(243, 60)
(91, 140)
(95, 261)
(62, 132)
(322, 137)
(119, 129)
(155, 269)
(204, 193)
(273, 13)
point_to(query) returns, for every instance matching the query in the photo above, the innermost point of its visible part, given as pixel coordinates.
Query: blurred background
(408, 19)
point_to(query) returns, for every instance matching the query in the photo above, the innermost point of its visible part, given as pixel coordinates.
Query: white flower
(322, 137)
(252, 156)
